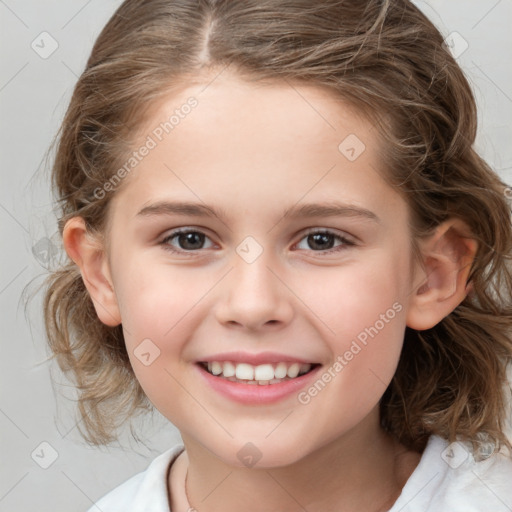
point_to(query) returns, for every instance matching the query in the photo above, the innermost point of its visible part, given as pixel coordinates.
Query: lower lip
(255, 393)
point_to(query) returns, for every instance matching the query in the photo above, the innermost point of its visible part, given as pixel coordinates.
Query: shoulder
(143, 492)
(449, 478)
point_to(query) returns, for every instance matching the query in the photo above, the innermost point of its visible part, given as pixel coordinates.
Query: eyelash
(345, 242)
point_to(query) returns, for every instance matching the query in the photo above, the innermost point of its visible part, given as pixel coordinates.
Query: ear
(447, 256)
(90, 256)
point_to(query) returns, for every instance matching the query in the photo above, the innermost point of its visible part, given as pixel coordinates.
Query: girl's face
(251, 172)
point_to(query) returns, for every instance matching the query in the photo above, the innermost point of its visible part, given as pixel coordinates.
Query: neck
(363, 470)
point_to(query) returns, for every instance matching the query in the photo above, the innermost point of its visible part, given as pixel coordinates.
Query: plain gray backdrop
(44, 47)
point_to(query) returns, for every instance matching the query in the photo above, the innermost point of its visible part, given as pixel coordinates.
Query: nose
(253, 296)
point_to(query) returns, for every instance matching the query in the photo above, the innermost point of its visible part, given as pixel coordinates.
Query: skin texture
(252, 151)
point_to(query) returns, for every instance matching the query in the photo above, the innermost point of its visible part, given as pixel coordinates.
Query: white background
(34, 93)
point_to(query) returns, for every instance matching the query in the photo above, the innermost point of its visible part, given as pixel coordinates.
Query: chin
(261, 453)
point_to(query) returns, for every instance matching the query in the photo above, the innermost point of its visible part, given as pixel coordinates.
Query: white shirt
(447, 479)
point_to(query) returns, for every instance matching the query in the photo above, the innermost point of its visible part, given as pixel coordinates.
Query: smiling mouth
(263, 374)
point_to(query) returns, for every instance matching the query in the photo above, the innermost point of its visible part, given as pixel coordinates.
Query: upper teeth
(262, 372)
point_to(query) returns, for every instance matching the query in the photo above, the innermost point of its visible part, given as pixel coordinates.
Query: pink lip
(254, 359)
(253, 394)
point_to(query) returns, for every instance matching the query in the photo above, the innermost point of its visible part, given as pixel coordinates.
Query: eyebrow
(329, 209)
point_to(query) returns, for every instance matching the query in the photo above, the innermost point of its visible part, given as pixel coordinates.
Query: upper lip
(254, 359)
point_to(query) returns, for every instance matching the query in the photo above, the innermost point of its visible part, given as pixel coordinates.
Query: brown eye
(185, 241)
(320, 241)
(190, 241)
(324, 241)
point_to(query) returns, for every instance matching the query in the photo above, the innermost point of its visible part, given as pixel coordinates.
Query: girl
(281, 237)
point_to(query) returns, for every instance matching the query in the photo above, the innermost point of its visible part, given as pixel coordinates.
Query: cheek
(155, 298)
(159, 307)
(352, 298)
(363, 309)
(159, 311)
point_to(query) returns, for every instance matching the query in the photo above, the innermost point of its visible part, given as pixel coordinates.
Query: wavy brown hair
(383, 57)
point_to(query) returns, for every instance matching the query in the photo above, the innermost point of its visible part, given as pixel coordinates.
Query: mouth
(267, 374)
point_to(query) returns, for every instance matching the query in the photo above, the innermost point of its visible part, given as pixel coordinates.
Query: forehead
(244, 145)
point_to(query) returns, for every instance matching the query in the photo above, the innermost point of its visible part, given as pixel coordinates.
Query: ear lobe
(447, 256)
(89, 255)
